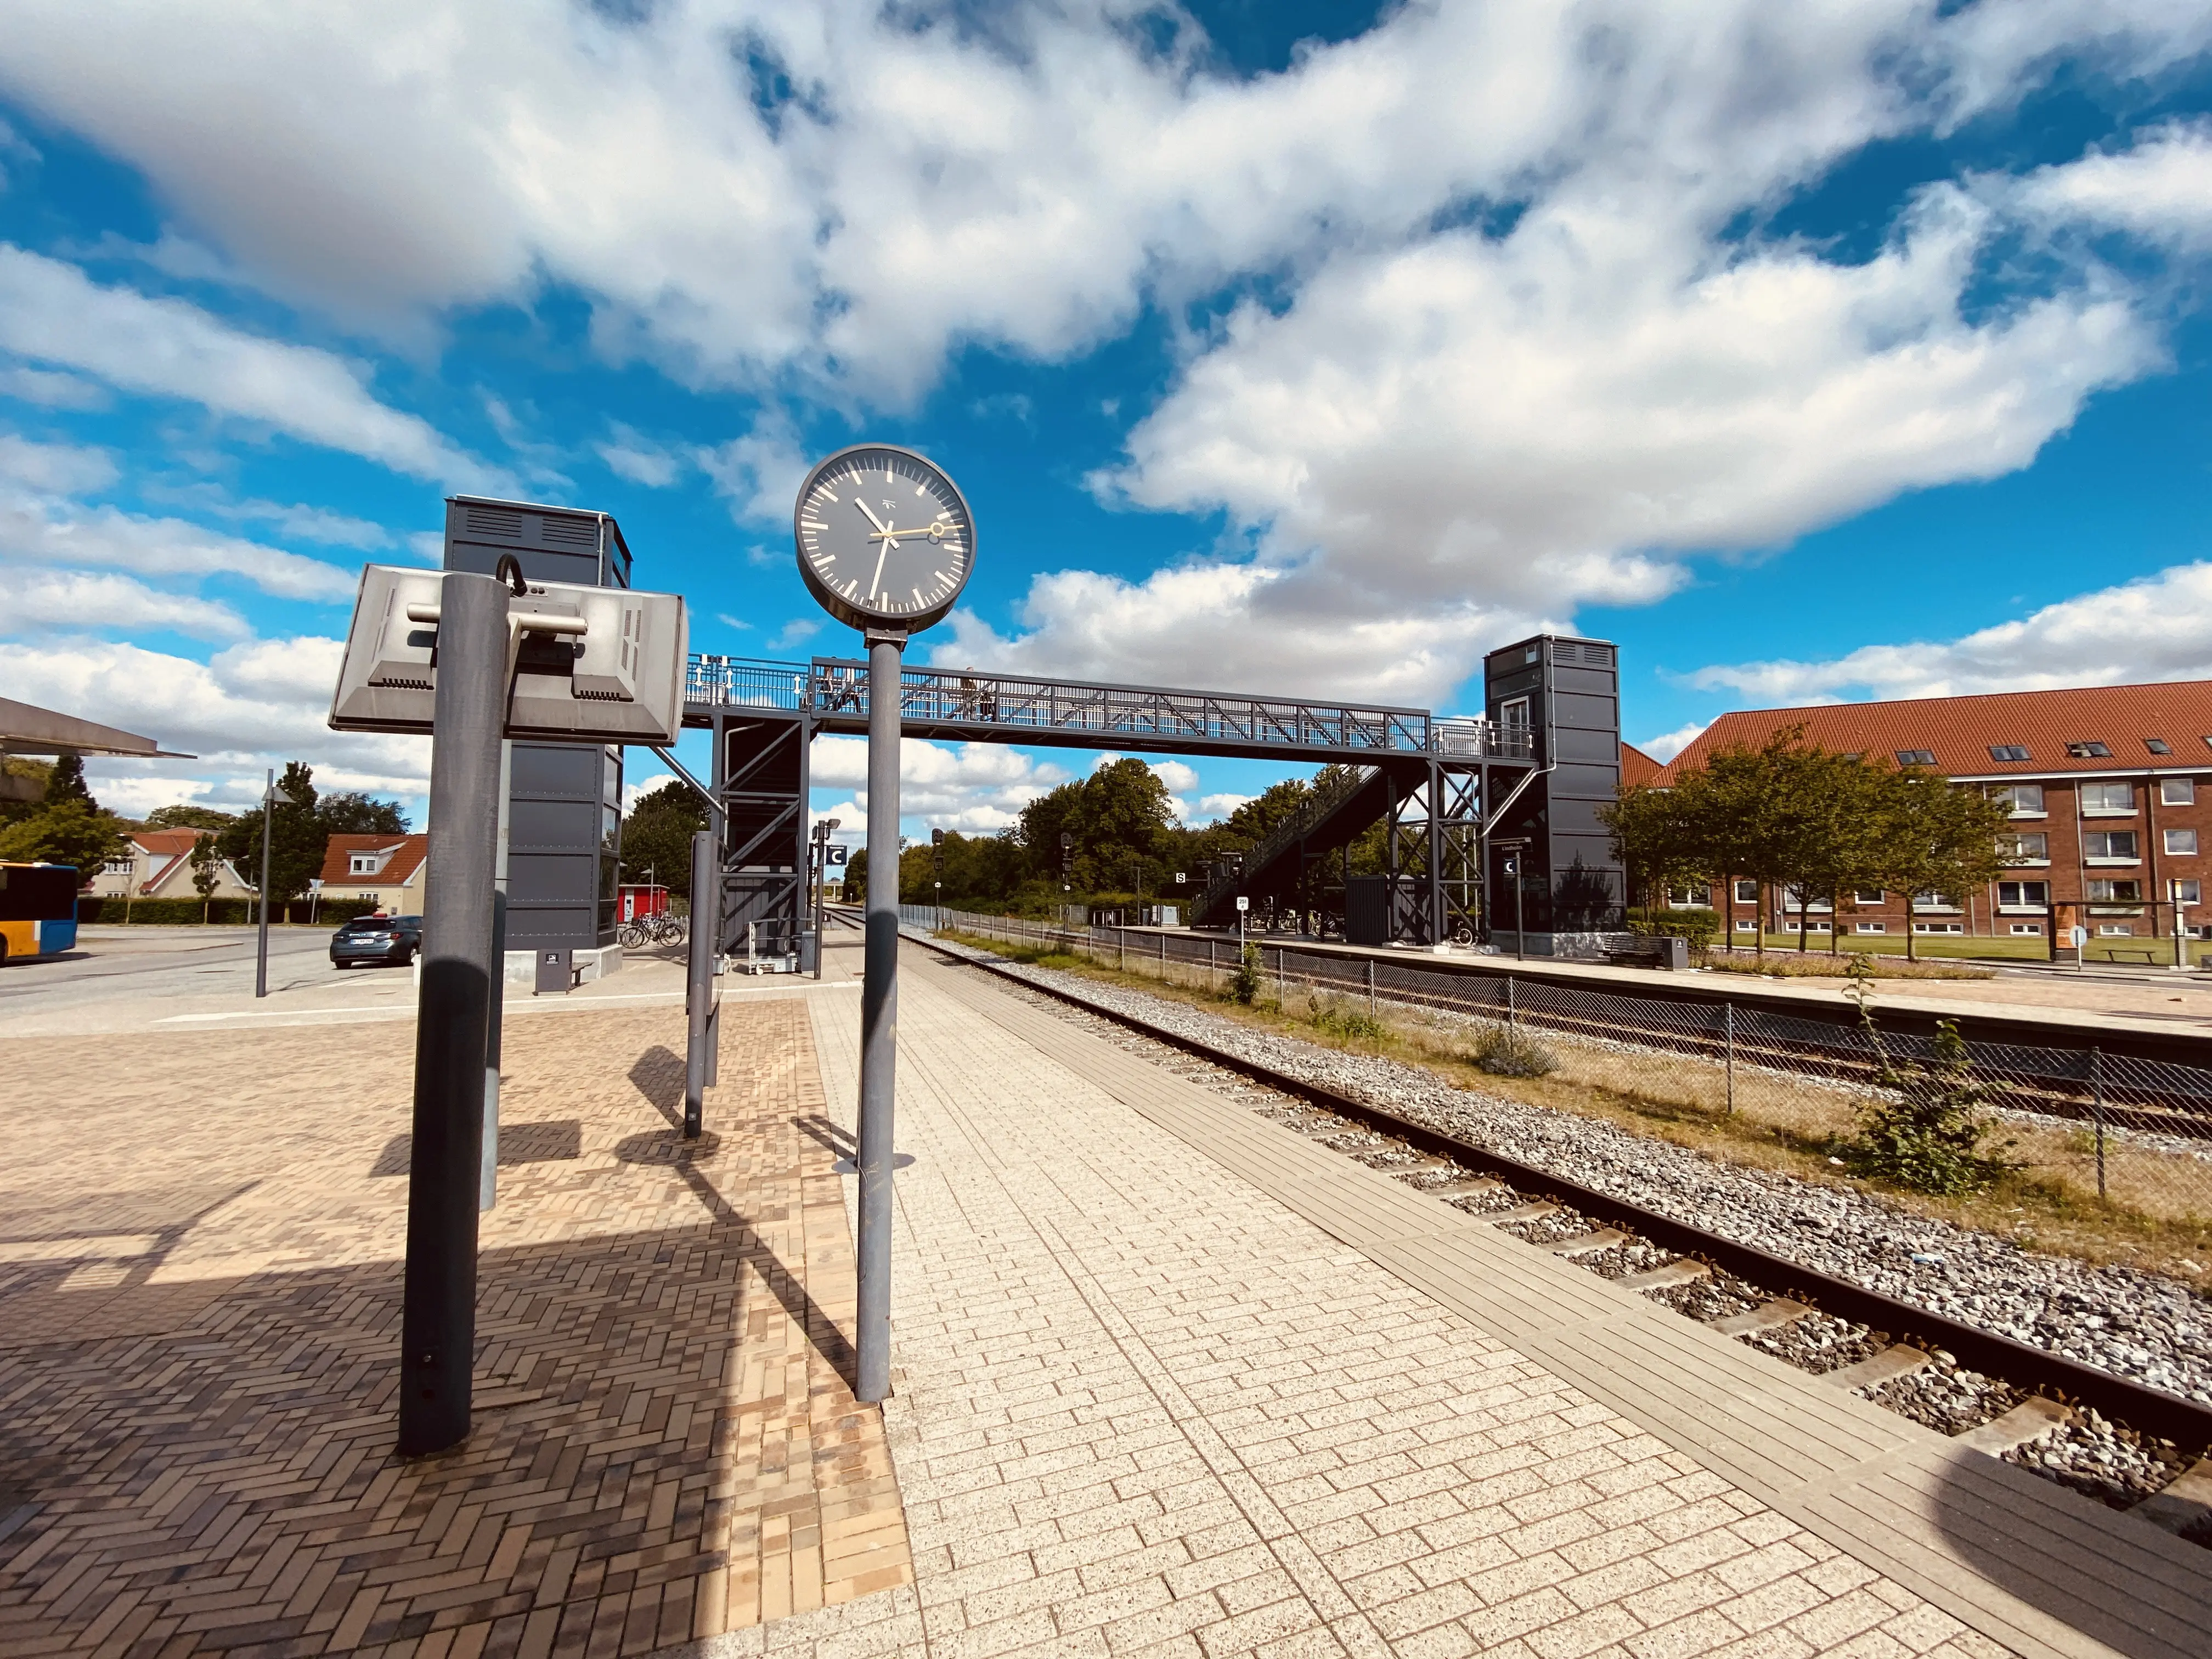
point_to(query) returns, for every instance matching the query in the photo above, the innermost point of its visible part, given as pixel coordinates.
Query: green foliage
(350, 813)
(207, 871)
(657, 834)
(66, 783)
(221, 913)
(74, 829)
(185, 816)
(1244, 983)
(1928, 1129)
(1338, 1018)
(1509, 1051)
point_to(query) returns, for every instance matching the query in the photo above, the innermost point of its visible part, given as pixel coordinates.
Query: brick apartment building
(2111, 789)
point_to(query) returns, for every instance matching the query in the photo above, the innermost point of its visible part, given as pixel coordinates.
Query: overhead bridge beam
(962, 706)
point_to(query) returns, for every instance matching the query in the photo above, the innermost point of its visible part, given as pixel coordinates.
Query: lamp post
(270, 797)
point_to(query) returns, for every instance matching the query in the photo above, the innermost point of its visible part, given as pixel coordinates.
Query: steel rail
(2139, 1406)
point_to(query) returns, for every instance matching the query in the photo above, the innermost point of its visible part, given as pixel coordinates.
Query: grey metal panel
(536, 879)
(552, 826)
(560, 771)
(1591, 714)
(1598, 748)
(1577, 681)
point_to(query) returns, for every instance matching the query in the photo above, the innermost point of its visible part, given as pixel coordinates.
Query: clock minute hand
(876, 581)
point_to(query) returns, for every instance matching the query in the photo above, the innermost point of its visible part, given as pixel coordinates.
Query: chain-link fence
(2098, 1126)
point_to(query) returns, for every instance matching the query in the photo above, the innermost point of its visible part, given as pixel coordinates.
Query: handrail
(1309, 814)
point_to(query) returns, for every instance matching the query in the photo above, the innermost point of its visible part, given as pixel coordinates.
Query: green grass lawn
(1934, 945)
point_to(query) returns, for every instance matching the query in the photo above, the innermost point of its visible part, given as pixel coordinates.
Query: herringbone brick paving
(199, 1321)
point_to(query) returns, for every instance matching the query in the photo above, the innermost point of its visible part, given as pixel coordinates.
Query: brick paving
(199, 1245)
(1142, 1408)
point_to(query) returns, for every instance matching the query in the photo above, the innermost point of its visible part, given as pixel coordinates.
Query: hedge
(222, 913)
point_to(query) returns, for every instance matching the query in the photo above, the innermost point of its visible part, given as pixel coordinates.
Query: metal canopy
(25, 729)
(961, 705)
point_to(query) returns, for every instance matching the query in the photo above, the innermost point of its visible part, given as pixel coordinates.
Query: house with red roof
(2110, 794)
(158, 863)
(386, 871)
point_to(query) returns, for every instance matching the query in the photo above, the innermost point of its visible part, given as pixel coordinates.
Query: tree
(186, 816)
(297, 838)
(1120, 821)
(350, 813)
(1933, 837)
(657, 834)
(68, 831)
(207, 871)
(66, 783)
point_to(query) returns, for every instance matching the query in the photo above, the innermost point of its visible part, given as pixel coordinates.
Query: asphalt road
(160, 962)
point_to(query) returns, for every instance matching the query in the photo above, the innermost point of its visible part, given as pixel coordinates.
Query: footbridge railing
(961, 703)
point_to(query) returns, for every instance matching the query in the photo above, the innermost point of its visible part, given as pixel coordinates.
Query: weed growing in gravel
(1928, 1128)
(1244, 983)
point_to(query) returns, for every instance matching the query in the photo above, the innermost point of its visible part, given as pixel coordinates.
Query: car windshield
(367, 925)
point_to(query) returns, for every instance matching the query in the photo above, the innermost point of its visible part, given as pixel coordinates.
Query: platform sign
(586, 664)
(1244, 904)
(833, 854)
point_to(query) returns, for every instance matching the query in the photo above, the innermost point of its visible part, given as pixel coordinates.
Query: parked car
(376, 938)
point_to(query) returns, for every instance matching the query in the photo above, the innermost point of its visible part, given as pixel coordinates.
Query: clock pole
(879, 1015)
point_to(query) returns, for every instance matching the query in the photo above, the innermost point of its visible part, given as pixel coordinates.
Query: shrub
(1509, 1051)
(1244, 983)
(1699, 928)
(1928, 1129)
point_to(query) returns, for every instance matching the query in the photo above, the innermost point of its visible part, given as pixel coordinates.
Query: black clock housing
(884, 539)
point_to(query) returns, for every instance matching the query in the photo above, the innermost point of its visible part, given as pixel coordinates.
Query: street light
(271, 797)
(823, 829)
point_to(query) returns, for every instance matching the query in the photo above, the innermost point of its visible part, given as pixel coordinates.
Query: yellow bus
(38, 908)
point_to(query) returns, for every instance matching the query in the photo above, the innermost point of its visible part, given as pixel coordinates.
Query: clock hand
(876, 581)
(864, 508)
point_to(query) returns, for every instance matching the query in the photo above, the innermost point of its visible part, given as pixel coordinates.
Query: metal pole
(699, 985)
(1727, 1012)
(1370, 985)
(438, 1321)
(1520, 930)
(821, 896)
(494, 1018)
(1512, 1014)
(879, 1018)
(261, 958)
(2097, 1106)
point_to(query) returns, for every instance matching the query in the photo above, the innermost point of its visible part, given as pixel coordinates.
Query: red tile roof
(163, 848)
(1637, 767)
(1960, 732)
(337, 855)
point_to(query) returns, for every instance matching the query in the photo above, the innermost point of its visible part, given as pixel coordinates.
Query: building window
(1869, 926)
(1795, 898)
(2186, 892)
(2028, 927)
(118, 866)
(362, 864)
(2023, 895)
(1743, 926)
(1870, 895)
(2115, 892)
(2025, 799)
(2158, 746)
(2091, 750)
(2108, 800)
(2177, 792)
(2182, 843)
(1689, 898)
(1934, 902)
(2116, 930)
(1747, 892)
(1790, 926)
(1939, 926)
(2009, 751)
(2025, 847)
(2109, 846)
(1513, 715)
(1916, 757)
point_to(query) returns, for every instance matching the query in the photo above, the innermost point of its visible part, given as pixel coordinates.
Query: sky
(1813, 353)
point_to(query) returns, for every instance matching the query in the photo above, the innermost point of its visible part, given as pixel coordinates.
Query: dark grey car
(376, 938)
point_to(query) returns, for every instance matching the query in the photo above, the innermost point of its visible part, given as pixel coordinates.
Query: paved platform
(1170, 1380)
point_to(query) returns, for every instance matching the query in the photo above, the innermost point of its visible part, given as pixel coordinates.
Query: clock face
(884, 539)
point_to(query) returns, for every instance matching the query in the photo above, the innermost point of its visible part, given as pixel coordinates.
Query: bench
(1662, 952)
(2148, 955)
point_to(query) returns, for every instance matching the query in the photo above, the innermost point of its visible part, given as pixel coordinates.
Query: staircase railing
(1325, 799)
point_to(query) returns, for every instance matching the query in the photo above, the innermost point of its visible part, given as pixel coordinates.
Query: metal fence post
(438, 1318)
(1728, 1015)
(2097, 1109)
(1120, 949)
(1282, 980)
(1512, 1014)
(1213, 969)
(1370, 985)
(1164, 959)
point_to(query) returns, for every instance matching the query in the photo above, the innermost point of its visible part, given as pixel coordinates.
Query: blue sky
(1828, 351)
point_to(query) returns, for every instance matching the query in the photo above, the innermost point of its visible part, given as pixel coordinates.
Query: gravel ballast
(2136, 1325)
(2112, 1465)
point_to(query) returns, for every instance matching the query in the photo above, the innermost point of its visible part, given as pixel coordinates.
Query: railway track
(1905, 1356)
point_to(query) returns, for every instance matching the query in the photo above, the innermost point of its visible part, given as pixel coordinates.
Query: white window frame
(2023, 929)
(1939, 926)
(1507, 719)
(118, 866)
(2107, 811)
(1869, 927)
(1747, 891)
(1934, 904)
(2177, 792)
(1818, 907)
(1743, 926)
(2108, 858)
(362, 863)
(1696, 897)
(2191, 891)
(2023, 902)
(2116, 930)
(2010, 794)
(1870, 895)
(2180, 843)
(2019, 854)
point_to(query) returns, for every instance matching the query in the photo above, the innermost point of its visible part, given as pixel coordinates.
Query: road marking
(520, 1004)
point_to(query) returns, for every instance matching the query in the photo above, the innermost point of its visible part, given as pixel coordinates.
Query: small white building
(158, 863)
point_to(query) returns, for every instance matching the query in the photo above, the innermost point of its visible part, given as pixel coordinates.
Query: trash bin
(555, 970)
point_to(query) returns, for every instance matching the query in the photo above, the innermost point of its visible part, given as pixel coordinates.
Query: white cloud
(794, 632)
(760, 472)
(51, 533)
(69, 600)
(1213, 808)
(630, 454)
(52, 313)
(2157, 629)
(312, 524)
(1174, 774)
(2160, 189)
(852, 823)
(253, 705)
(1667, 744)
(50, 389)
(970, 786)
(62, 469)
